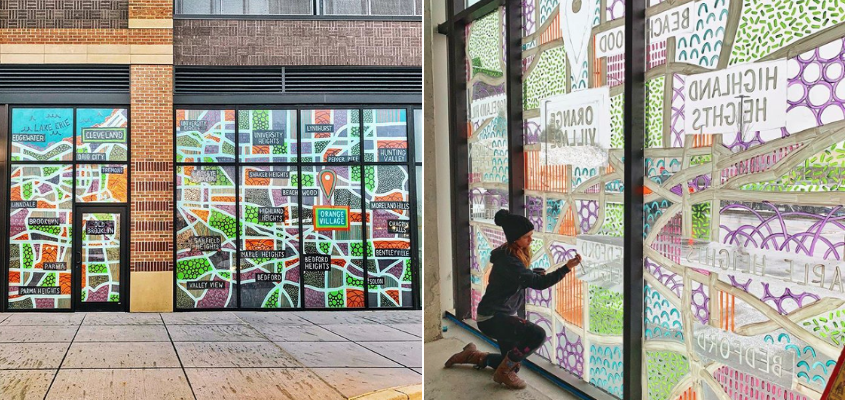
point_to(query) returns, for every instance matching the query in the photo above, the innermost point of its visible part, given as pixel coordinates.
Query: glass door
(100, 263)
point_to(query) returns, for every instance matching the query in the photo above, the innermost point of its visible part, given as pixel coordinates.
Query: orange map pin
(327, 182)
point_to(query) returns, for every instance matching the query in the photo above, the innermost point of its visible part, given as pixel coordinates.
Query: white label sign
(678, 20)
(751, 96)
(577, 119)
(610, 43)
(487, 107)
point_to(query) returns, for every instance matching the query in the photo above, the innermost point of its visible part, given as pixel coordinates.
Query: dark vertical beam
(461, 275)
(632, 340)
(4, 199)
(513, 88)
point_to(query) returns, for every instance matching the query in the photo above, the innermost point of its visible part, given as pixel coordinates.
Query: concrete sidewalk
(208, 355)
(465, 382)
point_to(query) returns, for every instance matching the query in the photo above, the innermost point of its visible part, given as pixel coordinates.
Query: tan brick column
(151, 254)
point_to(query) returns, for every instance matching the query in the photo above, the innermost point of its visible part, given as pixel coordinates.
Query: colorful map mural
(744, 209)
(269, 246)
(44, 171)
(206, 221)
(743, 214)
(298, 221)
(101, 254)
(40, 235)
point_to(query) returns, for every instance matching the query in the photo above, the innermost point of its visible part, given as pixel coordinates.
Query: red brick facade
(152, 168)
(86, 36)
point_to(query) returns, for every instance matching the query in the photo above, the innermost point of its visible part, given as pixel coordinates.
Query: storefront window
(205, 136)
(269, 217)
(296, 227)
(206, 222)
(42, 134)
(49, 178)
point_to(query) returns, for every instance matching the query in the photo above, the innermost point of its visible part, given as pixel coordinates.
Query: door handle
(78, 259)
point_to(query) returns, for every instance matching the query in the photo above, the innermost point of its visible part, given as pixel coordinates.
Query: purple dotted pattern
(528, 25)
(560, 253)
(541, 298)
(534, 211)
(570, 353)
(615, 9)
(700, 303)
(678, 103)
(780, 301)
(669, 279)
(531, 132)
(588, 211)
(816, 94)
(772, 231)
(545, 350)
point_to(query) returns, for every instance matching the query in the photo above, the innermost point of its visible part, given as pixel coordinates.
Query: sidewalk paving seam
(178, 357)
(59, 367)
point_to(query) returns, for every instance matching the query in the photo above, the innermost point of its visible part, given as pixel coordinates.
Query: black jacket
(506, 291)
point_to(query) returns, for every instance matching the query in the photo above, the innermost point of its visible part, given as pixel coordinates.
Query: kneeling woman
(505, 295)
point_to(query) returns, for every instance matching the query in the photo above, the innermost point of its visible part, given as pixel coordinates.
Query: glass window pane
(101, 183)
(392, 7)
(205, 239)
(205, 135)
(332, 136)
(42, 134)
(234, 7)
(101, 134)
(40, 234)
(332, 237)
(269, 237)
(267, 135)
(488, 142)
(418, 136)
(345, 7)
(196, 6)
(386, 135)
(290, 7)
(389, 236)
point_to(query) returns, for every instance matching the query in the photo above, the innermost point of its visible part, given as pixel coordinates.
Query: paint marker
(327, 182)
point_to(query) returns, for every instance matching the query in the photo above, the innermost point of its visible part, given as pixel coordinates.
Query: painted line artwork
(744, 214)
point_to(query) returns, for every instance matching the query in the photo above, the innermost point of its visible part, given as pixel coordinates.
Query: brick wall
(152, 168)
(291, 42)
(105, 14)
(151, 9)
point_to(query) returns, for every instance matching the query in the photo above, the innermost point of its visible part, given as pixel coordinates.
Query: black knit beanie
(514, 225)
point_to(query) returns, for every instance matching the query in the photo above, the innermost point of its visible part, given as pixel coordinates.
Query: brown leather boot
(506, 374)
(470, 355)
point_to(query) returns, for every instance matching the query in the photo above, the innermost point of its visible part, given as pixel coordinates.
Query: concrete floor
(464, 382)
(208, 355)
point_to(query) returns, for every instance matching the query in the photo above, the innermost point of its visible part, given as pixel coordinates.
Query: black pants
(517, 338)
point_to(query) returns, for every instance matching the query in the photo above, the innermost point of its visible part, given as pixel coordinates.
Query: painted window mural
(488, 142)
(572, 105)
(292, 210)
(60, 157)
(206, 221)
(744, 212)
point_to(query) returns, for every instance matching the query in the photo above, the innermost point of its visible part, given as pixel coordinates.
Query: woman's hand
(571, 264)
